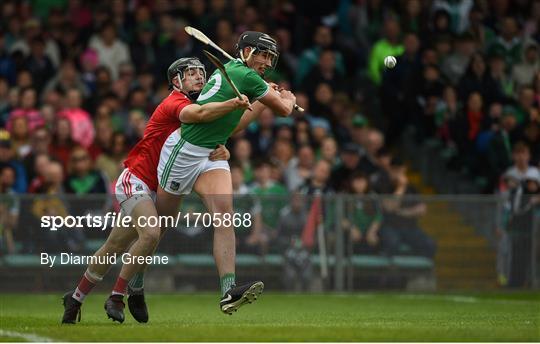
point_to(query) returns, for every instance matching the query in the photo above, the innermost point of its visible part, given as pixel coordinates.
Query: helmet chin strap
(179, 81)
(245, 59)
(192, 95)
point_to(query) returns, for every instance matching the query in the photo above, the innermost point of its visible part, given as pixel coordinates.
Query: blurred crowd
(79, 80)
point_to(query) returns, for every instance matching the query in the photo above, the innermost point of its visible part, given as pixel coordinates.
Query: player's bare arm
(282, 103)
(195, 113)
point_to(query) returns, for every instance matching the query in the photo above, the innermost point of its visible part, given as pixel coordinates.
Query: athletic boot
(72, 309)
(114, 306)
(236, 297)
(137, 305)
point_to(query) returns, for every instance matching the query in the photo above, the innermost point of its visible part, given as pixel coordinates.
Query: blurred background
(420, 177)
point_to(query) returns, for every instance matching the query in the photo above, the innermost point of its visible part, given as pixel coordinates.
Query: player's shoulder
(175, 98)
(238, 66)
(172, 102)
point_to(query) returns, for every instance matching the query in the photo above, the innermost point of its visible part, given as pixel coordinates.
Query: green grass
(279, 317)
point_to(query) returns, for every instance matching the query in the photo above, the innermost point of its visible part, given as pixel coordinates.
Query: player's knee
(117, 245)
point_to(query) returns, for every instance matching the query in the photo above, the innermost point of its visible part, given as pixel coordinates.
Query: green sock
(137, 282)
(227, 282)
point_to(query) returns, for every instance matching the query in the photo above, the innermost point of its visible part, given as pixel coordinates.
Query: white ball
(390, 61)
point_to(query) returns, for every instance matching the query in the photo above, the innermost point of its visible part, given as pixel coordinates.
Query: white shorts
(181, 163)
(130, 190)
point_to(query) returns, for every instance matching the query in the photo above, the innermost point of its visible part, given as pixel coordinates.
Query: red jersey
(143, 159)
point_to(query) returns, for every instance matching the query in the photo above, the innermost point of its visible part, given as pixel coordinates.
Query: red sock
(120, 287)
(83, 289)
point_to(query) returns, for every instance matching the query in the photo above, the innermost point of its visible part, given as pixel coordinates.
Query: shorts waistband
(191, 147)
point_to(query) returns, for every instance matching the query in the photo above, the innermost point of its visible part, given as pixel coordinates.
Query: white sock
(79, 295)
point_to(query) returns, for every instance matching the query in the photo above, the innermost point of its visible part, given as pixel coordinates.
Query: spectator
(468, 125)
(329, 151)
(524, 72)
(39, 171)
(9, 208)
(350, 160)
(455, 65)
(39, 64)
(300, 168)
(508, 43)
(322, 101)
(446, 112)
(503, 86)
(20, 137)
(374, 142)
(7, 65)
(520, 228)
(262, 136)
(53, 204)
(525, 104)
(499, 152)
(326, 72)
(40, 142)
(298, 269)
(458, 10)
(480, 32)
(242, 155)
(5, 106)
(143, 49)
(89, 63)
(322, 39)
(380, 181)
(521, 156)
(268, 207)
(283, 153)
(238, 182)
(82, 178)
(400, 219)
(67, 78)
(475, 78)
(62, 142)
(7, 158)
(111, 50)
(390, 45)
(27, 109)
(110, 162)
(318, 182)
(82, 130)
(365, 215)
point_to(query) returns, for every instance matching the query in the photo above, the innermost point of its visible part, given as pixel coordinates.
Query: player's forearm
(249, 116)
(209, 112)
(289, 106)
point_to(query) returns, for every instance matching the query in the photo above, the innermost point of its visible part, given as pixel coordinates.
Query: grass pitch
(285, 317)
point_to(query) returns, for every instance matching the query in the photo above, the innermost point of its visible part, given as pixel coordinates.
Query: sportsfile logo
(111, 219)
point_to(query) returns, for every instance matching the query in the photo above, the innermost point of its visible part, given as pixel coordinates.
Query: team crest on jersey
(175, 186)
(139, 187)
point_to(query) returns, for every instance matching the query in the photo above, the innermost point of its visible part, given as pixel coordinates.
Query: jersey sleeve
(254, 86)
(174, 107)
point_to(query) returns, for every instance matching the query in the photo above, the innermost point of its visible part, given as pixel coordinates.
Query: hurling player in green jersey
(184, 165)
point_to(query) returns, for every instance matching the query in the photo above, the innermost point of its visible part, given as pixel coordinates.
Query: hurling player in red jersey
(136, 191)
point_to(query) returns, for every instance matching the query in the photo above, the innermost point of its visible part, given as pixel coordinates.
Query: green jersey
(217, 89)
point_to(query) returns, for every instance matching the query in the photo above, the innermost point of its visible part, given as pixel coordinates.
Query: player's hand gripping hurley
(204, 39)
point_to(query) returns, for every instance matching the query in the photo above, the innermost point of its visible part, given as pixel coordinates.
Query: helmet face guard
(185, 71)
(179, 68)
(261, 50)
(260, 43)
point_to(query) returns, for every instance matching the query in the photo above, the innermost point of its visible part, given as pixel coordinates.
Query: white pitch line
(29, 337)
